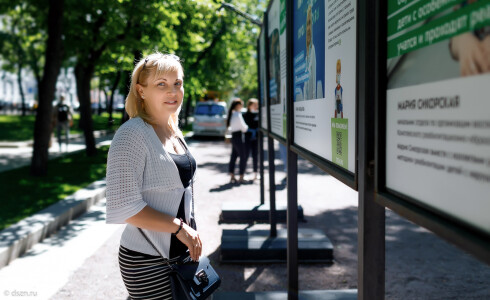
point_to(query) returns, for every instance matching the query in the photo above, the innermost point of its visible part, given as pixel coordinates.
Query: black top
(252, 120)
(177, 248)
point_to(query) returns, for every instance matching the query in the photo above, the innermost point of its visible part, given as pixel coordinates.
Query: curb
(30, 143)
(20, 237)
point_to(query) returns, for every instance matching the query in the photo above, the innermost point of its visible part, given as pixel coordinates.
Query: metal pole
(272, 187)
(260, 134)
(261, 151)
(270, 143)
(292, 222)
(292, 167)
(249, 17)
(371, 216)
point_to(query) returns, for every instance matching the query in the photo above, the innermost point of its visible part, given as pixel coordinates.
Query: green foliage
(24, 195)
(217, 46)
(23, 37)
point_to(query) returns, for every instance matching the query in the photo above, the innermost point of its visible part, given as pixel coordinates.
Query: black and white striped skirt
(145, 276)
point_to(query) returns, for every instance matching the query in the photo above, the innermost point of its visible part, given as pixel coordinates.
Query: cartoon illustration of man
(338, 93)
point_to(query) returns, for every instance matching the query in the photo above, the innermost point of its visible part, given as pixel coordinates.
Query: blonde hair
(250, 102)
(156, 65)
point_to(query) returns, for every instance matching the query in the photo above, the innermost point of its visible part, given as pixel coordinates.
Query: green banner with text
(419, 12)
(468, 18)
(340, 142)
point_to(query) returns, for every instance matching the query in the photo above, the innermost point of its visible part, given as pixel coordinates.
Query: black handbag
(190, 280)
(193, 280)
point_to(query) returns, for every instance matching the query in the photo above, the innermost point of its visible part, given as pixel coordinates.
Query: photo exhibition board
(437, 107)
(324, 67)
(277, 67)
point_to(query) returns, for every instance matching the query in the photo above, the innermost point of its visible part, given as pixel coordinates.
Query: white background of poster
(458, 195)
(277, 110)
(263, 81)
(320, 111)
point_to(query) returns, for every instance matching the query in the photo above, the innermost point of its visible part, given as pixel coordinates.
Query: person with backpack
(63, 118)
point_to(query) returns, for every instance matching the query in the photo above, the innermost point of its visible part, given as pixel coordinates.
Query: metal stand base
(303, 295)
(245, 212)
(253, 245)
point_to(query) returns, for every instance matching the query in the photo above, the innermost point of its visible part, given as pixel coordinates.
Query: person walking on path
(149, 180)
(251, 118)
(63, 118)
(237, 126)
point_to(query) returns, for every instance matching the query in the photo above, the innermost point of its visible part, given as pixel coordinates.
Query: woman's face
(308, 28)
(163, 95)
(238, 107)
(254, 107)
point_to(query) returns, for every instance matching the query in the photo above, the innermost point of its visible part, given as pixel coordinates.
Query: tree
(105, 25)
(92, 25)
(217, 45)
(53, 59)
(23, 44)
(107, 37)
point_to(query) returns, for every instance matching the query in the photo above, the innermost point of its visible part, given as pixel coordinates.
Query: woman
(251, 118)
(237, 126)
(148, 179)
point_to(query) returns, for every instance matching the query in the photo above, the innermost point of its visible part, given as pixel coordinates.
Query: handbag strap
(192, 212)
(192, 176)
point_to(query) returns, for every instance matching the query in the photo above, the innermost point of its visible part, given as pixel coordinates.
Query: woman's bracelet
(180, 226)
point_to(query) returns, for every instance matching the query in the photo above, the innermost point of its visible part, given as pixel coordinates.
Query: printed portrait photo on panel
(309, 49)
(275, 68)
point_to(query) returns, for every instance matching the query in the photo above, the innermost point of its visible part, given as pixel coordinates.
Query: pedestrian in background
(63, 118)
(150, 172)
(251, 118)
(236, 125)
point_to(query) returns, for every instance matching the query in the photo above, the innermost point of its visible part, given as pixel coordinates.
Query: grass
(19, 128)
(99, 122)
(24, 195)
(16, 128)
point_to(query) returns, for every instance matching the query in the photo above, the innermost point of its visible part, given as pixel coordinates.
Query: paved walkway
(80, 262)
(46, 268)
(19, 154)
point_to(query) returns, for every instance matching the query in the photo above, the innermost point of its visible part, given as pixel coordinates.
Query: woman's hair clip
(164, 55)
(146, 60)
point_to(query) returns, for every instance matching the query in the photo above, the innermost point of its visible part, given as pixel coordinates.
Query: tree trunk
(21, 90)
(109, 122)
(111, 99)
(99, 99)
(54, 56)
(137, 57)
(127, 84)
(83, 75)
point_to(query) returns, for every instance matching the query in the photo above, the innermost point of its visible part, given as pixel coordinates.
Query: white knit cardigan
(140, 172)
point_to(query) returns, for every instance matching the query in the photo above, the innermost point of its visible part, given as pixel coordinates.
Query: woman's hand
(471, 54)
(191, 239)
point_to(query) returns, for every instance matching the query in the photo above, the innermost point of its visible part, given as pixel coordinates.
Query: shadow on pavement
(69, 232)
(223, 187)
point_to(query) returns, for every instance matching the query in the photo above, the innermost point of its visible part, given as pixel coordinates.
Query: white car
(210, 118)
